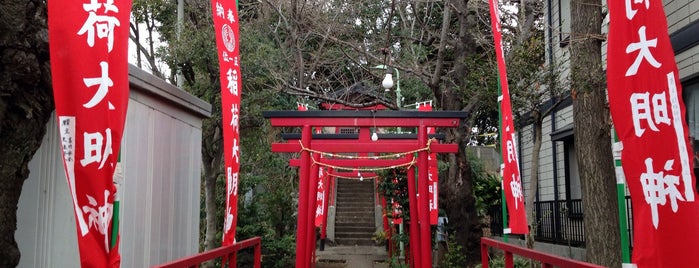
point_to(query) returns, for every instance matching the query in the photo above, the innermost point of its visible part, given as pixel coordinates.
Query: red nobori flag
(89, 66)
(225, 15)
(397, 210)
(320, 196)
(645, 99)
(512, 184)
(433, 173)
(322, 180)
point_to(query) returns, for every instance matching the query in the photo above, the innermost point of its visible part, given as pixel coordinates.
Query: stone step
(348, 234)
(355, 208)
(355, 214)
(355, 197)
(355, 228)
(367, 212)
(354, 235)
(354, 222)
(354, 219)
(354, 241)
(366, 221)
(343, 225)
(357, 185)
(356, 202)
(364, 212)
(360, 192)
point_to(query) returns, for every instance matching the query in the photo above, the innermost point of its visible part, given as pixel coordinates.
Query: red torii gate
(363, 144)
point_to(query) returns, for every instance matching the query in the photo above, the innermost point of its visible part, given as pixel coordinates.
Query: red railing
(547, 260)
(227, 253)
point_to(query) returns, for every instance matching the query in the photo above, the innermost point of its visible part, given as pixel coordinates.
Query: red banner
(89, 67)
(225, 15)
(512, 184)
(322, 180)
(645, 99)
(397, 209)
(320, 197)
(397, 212)
(433, 173)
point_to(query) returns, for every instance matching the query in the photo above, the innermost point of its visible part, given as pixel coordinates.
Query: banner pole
(621, 199)
(503, 205)
(503, 201)
(118, 181)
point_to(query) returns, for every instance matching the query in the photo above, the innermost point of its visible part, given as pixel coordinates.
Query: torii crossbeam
(362, 143)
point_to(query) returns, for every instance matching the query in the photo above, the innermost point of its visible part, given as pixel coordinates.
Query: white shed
(161, 157)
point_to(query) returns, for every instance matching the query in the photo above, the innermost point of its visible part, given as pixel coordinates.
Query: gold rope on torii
(409, 164)
(353, 178)
(386, 156)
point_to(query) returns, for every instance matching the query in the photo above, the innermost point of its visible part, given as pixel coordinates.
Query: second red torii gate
(364, 120)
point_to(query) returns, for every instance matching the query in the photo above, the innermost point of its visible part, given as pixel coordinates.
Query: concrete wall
(161, 157)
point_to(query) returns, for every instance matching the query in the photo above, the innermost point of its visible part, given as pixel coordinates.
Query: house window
(564, 22)
(573, 188)
(572, 178)
(691, 101)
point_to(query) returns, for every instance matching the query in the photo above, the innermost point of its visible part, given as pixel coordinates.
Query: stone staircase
(354, 221)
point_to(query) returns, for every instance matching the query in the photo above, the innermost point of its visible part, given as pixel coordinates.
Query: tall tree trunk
(212, 158)
(458, 201)
(534, 178)
(26, 103)
(213, 168)
(210, 240)
(592, 136)
(457, 189)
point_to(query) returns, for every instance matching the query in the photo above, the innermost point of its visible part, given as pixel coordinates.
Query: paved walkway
(352, 257)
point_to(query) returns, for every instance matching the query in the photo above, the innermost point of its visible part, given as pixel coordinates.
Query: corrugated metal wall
(161, 156)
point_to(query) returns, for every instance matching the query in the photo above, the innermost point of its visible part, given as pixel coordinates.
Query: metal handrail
(547, 260)
(228, 253)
